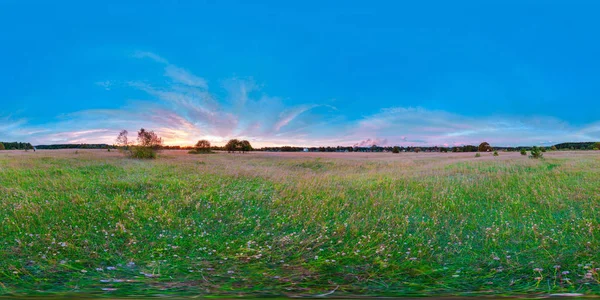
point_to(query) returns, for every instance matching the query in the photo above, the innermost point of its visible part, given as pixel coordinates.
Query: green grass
(100, 224)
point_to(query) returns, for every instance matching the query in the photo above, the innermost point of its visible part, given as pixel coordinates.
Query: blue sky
(301, 73)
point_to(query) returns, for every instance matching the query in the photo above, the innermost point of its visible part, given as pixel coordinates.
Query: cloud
(407, 126)
(183, 110)
(289, 115)
(182, 76)
(177, 74)
(371, 142)
(107, 84)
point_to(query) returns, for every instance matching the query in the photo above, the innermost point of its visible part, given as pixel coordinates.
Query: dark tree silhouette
(149, 139)
(484, 147)
(122, 139)
(232, 145)
(202, 146)
(245, 146)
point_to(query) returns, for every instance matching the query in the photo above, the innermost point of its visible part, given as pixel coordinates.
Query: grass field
(96, 223)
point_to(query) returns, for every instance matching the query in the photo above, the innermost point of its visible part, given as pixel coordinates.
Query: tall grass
(255, 225)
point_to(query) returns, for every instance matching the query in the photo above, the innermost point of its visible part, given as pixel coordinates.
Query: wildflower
(111, 268)
(538, 270)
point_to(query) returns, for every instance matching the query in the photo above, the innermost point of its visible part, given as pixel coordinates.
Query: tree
(148, 143)
(396, 149)
(2, 146)
(553, 148)
(484, 147)
(536, 153)
(232, 146)
(417, 150)
(245, 146)
(149, 139)
(543, 149)
(122, 139)
(597, 146)
(523, 152)
(496, 153)
(202, 146)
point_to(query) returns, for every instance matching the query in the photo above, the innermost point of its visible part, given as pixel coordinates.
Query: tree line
(148, 143)
(15, 146)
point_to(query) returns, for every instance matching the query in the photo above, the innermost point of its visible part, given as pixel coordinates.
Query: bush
(523, 152)
(553, 148)
(496, 153)
(484, 147)
(142, 152)
(536, 153)
(477, 154)
(396, 149)
(202, 146)
(543, 149)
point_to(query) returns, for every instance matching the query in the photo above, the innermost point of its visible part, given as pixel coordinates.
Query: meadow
(91, 222)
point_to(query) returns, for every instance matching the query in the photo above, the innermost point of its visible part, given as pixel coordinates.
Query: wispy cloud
(184, 109)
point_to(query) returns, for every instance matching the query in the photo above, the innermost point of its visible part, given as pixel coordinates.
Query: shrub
(477, 154)
(523, 152)
(142, 152)
(543, 149)
(202, 146)
(553, 148)
(496, 153)
(237, 145)
(536, 153)
(484, 147)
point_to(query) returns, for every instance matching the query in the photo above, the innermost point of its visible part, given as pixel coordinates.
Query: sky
(304, 73)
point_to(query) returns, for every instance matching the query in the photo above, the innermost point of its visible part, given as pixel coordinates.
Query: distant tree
(417, 150)
(496, 153)
(484, 147)
(543, 149)
(232, 146)
(149, 139)
(444, 149)
(245, 146)
(597, 146)
(536, 153)
(122, 139)
(396, 149)
(477, 154)
(553, 148)
(2, 146)
(523, 152)
(202, 146)
(148, 144)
